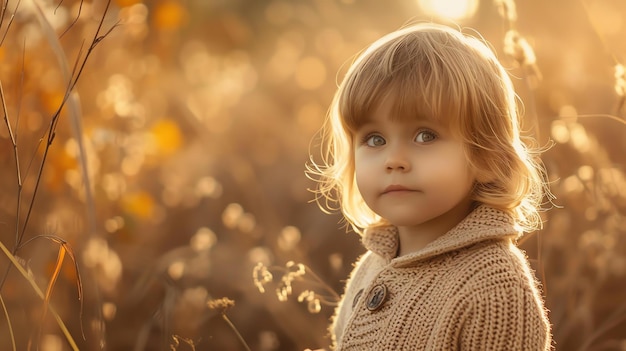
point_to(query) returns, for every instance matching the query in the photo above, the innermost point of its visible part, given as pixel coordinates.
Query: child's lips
(395, 188)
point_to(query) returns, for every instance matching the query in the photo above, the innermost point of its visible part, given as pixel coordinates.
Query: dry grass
(175, 165)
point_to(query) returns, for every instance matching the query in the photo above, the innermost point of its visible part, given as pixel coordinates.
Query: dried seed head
(294, 271)
(222, 304)
(300, 269)
(283, 292)
(517, 47)
(306, 295)
(314, 306)
(261, 276)
(313, 302)
(507, 9)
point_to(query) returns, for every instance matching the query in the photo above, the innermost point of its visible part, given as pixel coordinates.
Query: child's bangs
(359, 98)
(415, 87)
(414, 100)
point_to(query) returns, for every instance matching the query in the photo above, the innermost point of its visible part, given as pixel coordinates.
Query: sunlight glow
(452, 9)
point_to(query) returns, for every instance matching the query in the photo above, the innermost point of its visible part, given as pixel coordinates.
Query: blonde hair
(433, 71)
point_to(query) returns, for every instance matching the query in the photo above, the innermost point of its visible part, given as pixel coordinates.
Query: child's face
(411, 172)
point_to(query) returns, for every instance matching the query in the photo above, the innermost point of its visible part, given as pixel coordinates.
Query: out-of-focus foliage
(197, 119)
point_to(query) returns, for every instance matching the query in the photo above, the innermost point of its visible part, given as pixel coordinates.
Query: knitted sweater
(470, 289)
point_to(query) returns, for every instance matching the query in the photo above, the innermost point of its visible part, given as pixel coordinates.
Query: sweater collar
(484, 223)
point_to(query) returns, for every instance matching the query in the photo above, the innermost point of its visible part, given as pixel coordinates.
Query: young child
(425, 159)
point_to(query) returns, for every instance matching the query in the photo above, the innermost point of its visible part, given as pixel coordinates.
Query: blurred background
(177, 165)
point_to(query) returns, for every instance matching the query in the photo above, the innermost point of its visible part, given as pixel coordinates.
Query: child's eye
(375, 140)
(425, 136)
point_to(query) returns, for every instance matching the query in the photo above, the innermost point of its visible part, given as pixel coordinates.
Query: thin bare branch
(4, 7)
(16, 158)
(77, 70)
(11, 134)
(75, 20)
(602, 115)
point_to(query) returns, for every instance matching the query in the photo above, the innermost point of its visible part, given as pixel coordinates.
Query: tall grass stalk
(237, 333)
(39, 293)
(9, 325)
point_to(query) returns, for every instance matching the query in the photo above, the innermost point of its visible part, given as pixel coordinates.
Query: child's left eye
(425, 136)
(375, 140)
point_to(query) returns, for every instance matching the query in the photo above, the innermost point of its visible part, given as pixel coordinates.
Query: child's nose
(397, 159)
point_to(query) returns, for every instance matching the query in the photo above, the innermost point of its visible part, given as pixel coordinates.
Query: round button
(376, 297)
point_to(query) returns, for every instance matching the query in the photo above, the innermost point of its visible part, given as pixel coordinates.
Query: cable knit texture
(471, 289)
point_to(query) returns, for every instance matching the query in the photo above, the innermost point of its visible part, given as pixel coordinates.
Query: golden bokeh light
(166, 136)
(260, 254)
(176, 270)
(559, 131)
(51, 342)
(140, 204)
(203, 239)
(232, 215)
(289, 237)
(169, 15)
(108, 310)
(209, 187)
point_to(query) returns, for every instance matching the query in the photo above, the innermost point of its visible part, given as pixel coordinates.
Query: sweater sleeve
(505, 318)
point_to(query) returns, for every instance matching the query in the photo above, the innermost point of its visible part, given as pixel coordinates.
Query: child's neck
(412, 242)
(415, 238)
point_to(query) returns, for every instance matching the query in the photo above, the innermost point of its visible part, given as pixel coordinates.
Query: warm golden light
(174, 184)
(452, 9)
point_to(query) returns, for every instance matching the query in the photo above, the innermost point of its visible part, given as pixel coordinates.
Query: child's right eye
(375, 140)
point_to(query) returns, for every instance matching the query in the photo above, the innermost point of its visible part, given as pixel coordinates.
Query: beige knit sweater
(471, 289)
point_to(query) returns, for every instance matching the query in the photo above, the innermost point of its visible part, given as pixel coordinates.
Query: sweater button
(376, 297)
